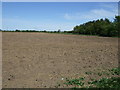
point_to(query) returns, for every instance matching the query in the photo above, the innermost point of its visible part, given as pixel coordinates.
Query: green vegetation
(115, 71)
(76, 82)
(104, 82)
(113, 82)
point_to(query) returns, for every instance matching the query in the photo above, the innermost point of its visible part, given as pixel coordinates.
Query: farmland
(35, 60)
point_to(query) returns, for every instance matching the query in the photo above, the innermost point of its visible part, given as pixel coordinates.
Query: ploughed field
(42, 60)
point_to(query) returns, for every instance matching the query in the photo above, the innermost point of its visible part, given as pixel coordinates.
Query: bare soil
(42, 60)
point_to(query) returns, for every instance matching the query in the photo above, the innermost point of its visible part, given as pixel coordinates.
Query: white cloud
(91, 15)
(103, 13)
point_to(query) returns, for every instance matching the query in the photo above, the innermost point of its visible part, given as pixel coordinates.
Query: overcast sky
(54, 15)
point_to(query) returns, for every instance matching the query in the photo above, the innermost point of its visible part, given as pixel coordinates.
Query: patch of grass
(75, 82)
(115, 71)
(113, 82)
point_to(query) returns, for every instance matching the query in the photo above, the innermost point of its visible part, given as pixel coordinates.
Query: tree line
(101, 27)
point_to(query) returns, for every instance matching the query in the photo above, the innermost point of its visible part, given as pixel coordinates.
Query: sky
(0, 15)
(52, 16)
(60, 0)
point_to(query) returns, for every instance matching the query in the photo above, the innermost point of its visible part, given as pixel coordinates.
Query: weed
(115, 71)
(113, 82)
(75, 82)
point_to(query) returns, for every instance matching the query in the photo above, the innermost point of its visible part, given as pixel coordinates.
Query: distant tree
(107, 20)
(17, 30)
(117, 24)
(44, 31)
(54, 31)
(117, 19)
(59, 30)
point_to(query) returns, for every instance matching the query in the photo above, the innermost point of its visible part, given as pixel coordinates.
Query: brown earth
(39, 60)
